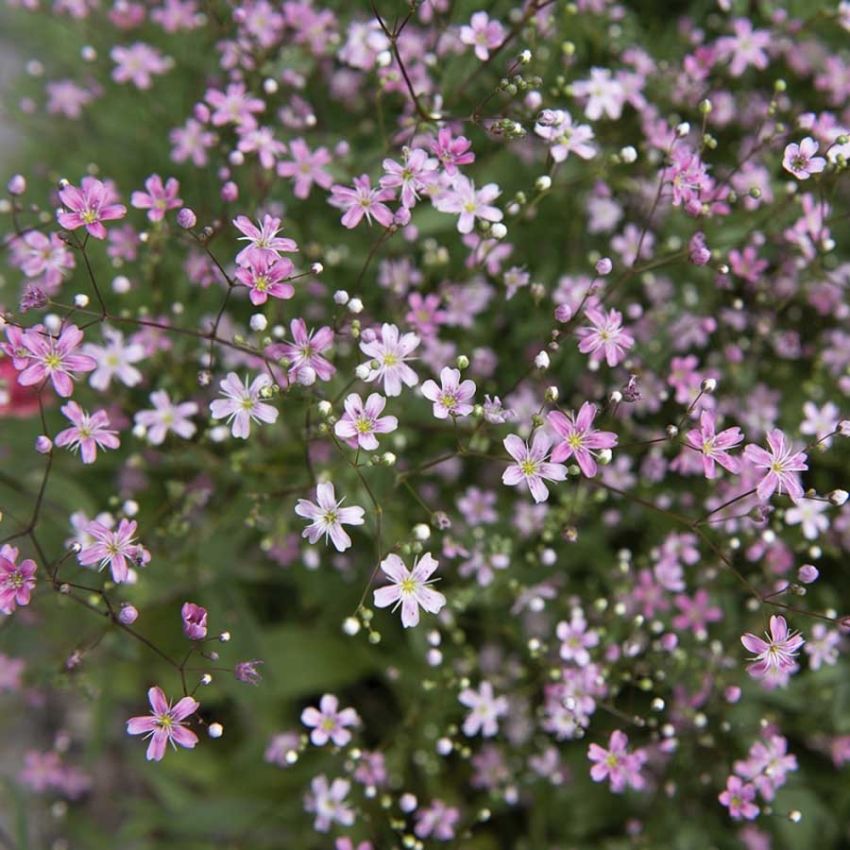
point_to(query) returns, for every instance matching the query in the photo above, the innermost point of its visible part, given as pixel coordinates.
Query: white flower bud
(541, 361)
(216, 730)
(604, 456)
(363, 371)
(325, 408)
(355, 305)
(270, 86)
(351, 626)
(628, 154)
(340, 297)
(121, 284)
(709, 385)
(317, 268)
(258, 322)
(421, 532)
(683, 129)
(543, 183)
(81, 300)
(498, 230)
(130, 507)
(838, 497)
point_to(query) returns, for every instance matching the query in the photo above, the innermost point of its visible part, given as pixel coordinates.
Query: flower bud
(604, 266)
(17, 185)
(808, 573)
(43, 444)
(216, 730)
(186, 218)
(128, 615)
(838, 497)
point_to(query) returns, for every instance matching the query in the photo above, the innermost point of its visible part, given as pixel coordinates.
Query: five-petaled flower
(410, 588)
(616, 764)
(17, 580)
(115, 548)
(485, 709)
(715, 447)
(328, 516)
(328, 723)
(389, 352)
(782, 464)
(800, 159)
(777, 652)
(452, 397)
(89, 206)
(362, 421)
(88, 432)
(46, 356)
(241, 405)
(531, 465)
(158, 198)
(164, 725)
(580, 438)
(605, 337)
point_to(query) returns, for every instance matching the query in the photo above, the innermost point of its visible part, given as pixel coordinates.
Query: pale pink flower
(738, 798)
(305, 353)
(114, 548)
(241, 405)
(616, 764)
(482, 34)
(777, 653)
(747, 47)
(138, 64)
(800, 159)
(531, 465)
(327, 517)
(715, 447)
(410, 588)
(362, 200)
(557, 128)
(115, 359)
(485, 709)
(88, 433)
(463, 199)
(452, 397)
(328, 802)
(605, 337)
(159, 198)
(164, 725)
(605, 94)
(328, 723)
(194, 619)
(262, 239)
(265, 274)
(52, 357)
(415, 173)
(17, 580)
(782, 464)
(167, 416)
(306, 168)
(361, 422)
(389, 352)
(580, 438)
(88, 206)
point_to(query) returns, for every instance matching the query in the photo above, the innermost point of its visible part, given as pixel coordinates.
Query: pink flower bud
(604, 266)
(194, 621)
(563, 313)
(17, 185)
(128, 615)
(186, 218)
(807, 573)
(229, 192)
(43, 444)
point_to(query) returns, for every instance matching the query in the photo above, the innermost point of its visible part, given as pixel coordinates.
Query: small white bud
(838, 497)
(224, 637)
(604, 456)
(318, 268)
(258, 322)
(543, 183)
(421, 532)
(351, 626)
(216, 730)
(628, 154)
(270, 86)
(541, 361)
(130, 507)
(81, 300)
(355, 306)
(236, 158)
(683, 129)
(325, 408)
(709, 385)
(363, 371)
(340, 297)
(88, 53)
(121, 284)
(498, 230)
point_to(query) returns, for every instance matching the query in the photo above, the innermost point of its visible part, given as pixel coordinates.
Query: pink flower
(327, 801)
(262, 239)
(580, 437)
(452, 397)
(194, 619)
(556, 127)
(738, 798)
(164, 724)
(801, 161)
(327, 517)
(606, 337)
(531, 465)
(53, 357)
(114, 548)
(305, 353)
(482, 34)
(167, 416)
(485, 709)
(605, 94)
(416, 173)
(777, 653)
(390, 351)
(328, 723)
(782, 464)
(88, 206)
(234, 106)
(88, 433)
(17, 581)
(138, 63)
(616, 764)
(452, 151)
(461, 197)
(437, 820)
(242, 404)
(362, 200)
(306, 168)
(714, 447)
(266, 274)
(115, 359)
(576, 639)
(158, 199)
(410, 588)
(360, 422)
(745, 48)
